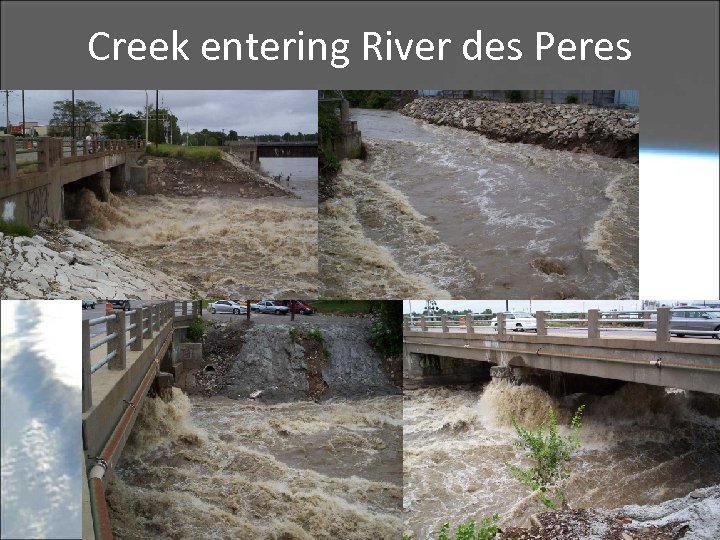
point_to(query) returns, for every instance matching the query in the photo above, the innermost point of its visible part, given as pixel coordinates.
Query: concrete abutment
(438, 370)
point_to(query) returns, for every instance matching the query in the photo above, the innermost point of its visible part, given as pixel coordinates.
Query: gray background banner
(674, 48)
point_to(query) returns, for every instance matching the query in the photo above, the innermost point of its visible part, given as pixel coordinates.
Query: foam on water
(220, 468)
(502, 205)
(225, 247)
(640, 445)
(374, 243)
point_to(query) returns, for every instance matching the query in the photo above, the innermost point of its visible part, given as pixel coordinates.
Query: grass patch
(187, 153)
(15, 229)
(343, 307)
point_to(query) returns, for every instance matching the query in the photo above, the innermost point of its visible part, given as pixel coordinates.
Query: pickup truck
(269, 306)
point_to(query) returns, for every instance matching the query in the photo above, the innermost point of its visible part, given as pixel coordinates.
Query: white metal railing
(126, 330)
(594, 321)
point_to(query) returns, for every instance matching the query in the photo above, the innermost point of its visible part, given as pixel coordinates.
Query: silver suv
(688, 320)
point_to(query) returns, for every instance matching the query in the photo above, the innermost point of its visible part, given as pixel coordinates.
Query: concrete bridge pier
(118, 178)
(162, 385)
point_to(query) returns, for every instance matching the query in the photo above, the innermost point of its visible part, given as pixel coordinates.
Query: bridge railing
(187, 308)
(123, 330)
(593, 322)
(38, 154)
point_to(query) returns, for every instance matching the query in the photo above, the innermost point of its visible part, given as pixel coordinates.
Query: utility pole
(23, 111)
(157, 117)
(7, 112)
(147, 108)
(73, 115)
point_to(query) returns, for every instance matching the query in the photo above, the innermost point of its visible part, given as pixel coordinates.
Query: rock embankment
(696, 516)
(277, 364)
(581, 128)
(64, 263)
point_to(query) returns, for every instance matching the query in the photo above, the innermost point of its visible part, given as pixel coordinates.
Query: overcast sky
(555, 306)
(249, 112)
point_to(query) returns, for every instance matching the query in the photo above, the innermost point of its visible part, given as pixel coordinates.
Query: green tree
(232, 135)
(87, 113)
(551, 453)
(167, 124)
(386, 331)
(120, 125)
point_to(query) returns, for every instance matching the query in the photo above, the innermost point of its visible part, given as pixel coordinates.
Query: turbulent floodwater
(223, 246)
(303, 173)
(482, 216)
(220, 468)
(639, 446)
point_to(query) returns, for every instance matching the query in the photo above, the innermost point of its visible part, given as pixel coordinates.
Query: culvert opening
(209, 368)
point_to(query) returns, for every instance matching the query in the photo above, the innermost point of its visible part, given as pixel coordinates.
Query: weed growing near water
(14, 229)
(195, 330)
(486, 530)
(551, 453)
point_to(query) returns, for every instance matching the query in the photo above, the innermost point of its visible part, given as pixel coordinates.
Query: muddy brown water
(220, 468)
(640, 445)
(490, 210)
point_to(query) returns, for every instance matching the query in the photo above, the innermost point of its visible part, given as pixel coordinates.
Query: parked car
(300, 307)
(270, 306)
(88, 304)
(517, 322)
(120, 304)
(227, 306)
(688, 320)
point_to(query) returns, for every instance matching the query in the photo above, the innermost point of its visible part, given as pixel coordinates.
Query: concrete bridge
(592, 347)
(287, 149)
(251, 151)
(140, 353)
(31, 189)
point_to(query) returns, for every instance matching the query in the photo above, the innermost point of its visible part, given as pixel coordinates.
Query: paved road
(319, 320)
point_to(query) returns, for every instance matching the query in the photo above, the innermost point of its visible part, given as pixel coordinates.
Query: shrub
(487, 529)
(316, 334)
(195, 330)
(551, 453)
(387, 329)
(572, 98)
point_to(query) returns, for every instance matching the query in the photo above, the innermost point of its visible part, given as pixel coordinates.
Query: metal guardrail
(140, 323)
(594, 321)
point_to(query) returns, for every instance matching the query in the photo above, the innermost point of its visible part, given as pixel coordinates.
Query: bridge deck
(691, 364)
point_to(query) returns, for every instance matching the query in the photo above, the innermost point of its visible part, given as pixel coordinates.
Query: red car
(298, 306)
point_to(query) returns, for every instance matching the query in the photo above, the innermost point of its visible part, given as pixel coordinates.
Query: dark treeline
(207, 137)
